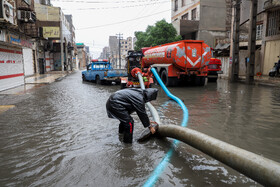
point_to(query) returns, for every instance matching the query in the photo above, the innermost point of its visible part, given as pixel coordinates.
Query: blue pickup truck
(101, 72)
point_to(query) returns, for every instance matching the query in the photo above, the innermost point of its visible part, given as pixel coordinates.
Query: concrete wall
(242, 64)
(270, 56)
(212, 24)
(225, 66)
(245, 9)
(213, 13)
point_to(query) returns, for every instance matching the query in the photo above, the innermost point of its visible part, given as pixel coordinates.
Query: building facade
(118, 50)
(105, 53)
(267, 36)
(202, 19)
(270, 35)
(83, 58)
(55, 43)
(17, 49)
(35, 37)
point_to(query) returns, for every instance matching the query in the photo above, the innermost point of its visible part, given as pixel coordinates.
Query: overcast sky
(96, 20)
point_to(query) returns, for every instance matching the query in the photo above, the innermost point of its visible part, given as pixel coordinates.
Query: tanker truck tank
(182, 61)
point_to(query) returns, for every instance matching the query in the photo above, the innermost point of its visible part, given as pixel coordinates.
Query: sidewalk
(36, 81)
(264, 80)
(45, 78)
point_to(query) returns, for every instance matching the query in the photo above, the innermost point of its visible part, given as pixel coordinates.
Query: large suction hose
(258, 168)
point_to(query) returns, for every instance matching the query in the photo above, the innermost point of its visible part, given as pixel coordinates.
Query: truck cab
(101, 72)
(214, 69)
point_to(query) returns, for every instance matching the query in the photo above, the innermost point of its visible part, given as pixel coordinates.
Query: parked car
(101, 72)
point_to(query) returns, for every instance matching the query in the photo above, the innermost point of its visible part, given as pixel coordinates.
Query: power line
(105, 2)
(122, 21)
(128, 6)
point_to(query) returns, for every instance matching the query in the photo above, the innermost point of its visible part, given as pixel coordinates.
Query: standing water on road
(60, 135)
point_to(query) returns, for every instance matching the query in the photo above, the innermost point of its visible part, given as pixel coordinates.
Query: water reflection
(60, 135)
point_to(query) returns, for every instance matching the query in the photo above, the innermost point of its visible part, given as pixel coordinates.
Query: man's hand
(153, 127)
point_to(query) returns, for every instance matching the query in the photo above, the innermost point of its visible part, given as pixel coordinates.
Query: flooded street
(59, 135)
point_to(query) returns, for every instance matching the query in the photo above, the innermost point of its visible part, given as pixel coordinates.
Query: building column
(61, 43)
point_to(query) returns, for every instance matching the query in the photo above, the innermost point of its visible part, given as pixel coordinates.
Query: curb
(271, 83)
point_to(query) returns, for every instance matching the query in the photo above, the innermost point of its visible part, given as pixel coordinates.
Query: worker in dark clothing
(124, 102)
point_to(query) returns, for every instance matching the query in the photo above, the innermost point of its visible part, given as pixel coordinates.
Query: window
(194, 14)
(273, 23)
(259, 32)
(176, 5)
(185, 16)
(183, 3)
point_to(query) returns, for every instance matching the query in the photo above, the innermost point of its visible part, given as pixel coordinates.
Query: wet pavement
(59, 135)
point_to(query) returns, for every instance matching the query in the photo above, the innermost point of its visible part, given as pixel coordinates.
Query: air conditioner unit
(26, 16)
(7, 12)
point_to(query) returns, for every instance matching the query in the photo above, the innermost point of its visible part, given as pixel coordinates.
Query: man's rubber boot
(121, 128)
(128, 132)
(127, 137)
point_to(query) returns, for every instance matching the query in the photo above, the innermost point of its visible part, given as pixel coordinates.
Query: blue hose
(159, 169)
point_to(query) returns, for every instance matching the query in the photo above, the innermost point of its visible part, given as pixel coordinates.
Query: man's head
(150, 94)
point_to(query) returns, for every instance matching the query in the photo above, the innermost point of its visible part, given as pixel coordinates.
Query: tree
(161, 33)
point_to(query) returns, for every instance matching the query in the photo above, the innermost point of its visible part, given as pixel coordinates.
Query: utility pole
(235, 48)
(120, 36)
(252, 42)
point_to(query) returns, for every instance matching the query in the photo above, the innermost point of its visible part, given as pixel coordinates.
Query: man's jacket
(124, 102)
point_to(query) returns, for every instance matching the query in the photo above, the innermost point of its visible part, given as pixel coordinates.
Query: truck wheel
(83, 77)
(164, 78)
(98, 81)
(168, 81)
(212, 79)
(200, 80)
(203, 81)
(123, 85)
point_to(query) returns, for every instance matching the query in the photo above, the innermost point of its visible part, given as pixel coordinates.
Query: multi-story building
(202, 19)
(17, 49)
(267, 36)
(245, 7)
(118, 50)
(83, 58)
(73, 42)
(56, 38)
(270, 35)
(113, 50)
(105, 53)
(35, 37)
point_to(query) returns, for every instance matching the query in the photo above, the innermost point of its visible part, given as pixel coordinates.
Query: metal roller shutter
(11, 67)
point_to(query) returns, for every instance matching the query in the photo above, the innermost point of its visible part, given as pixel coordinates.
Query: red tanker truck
(181, 61)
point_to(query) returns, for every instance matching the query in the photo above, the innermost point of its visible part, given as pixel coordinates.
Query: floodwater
(60, 135)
